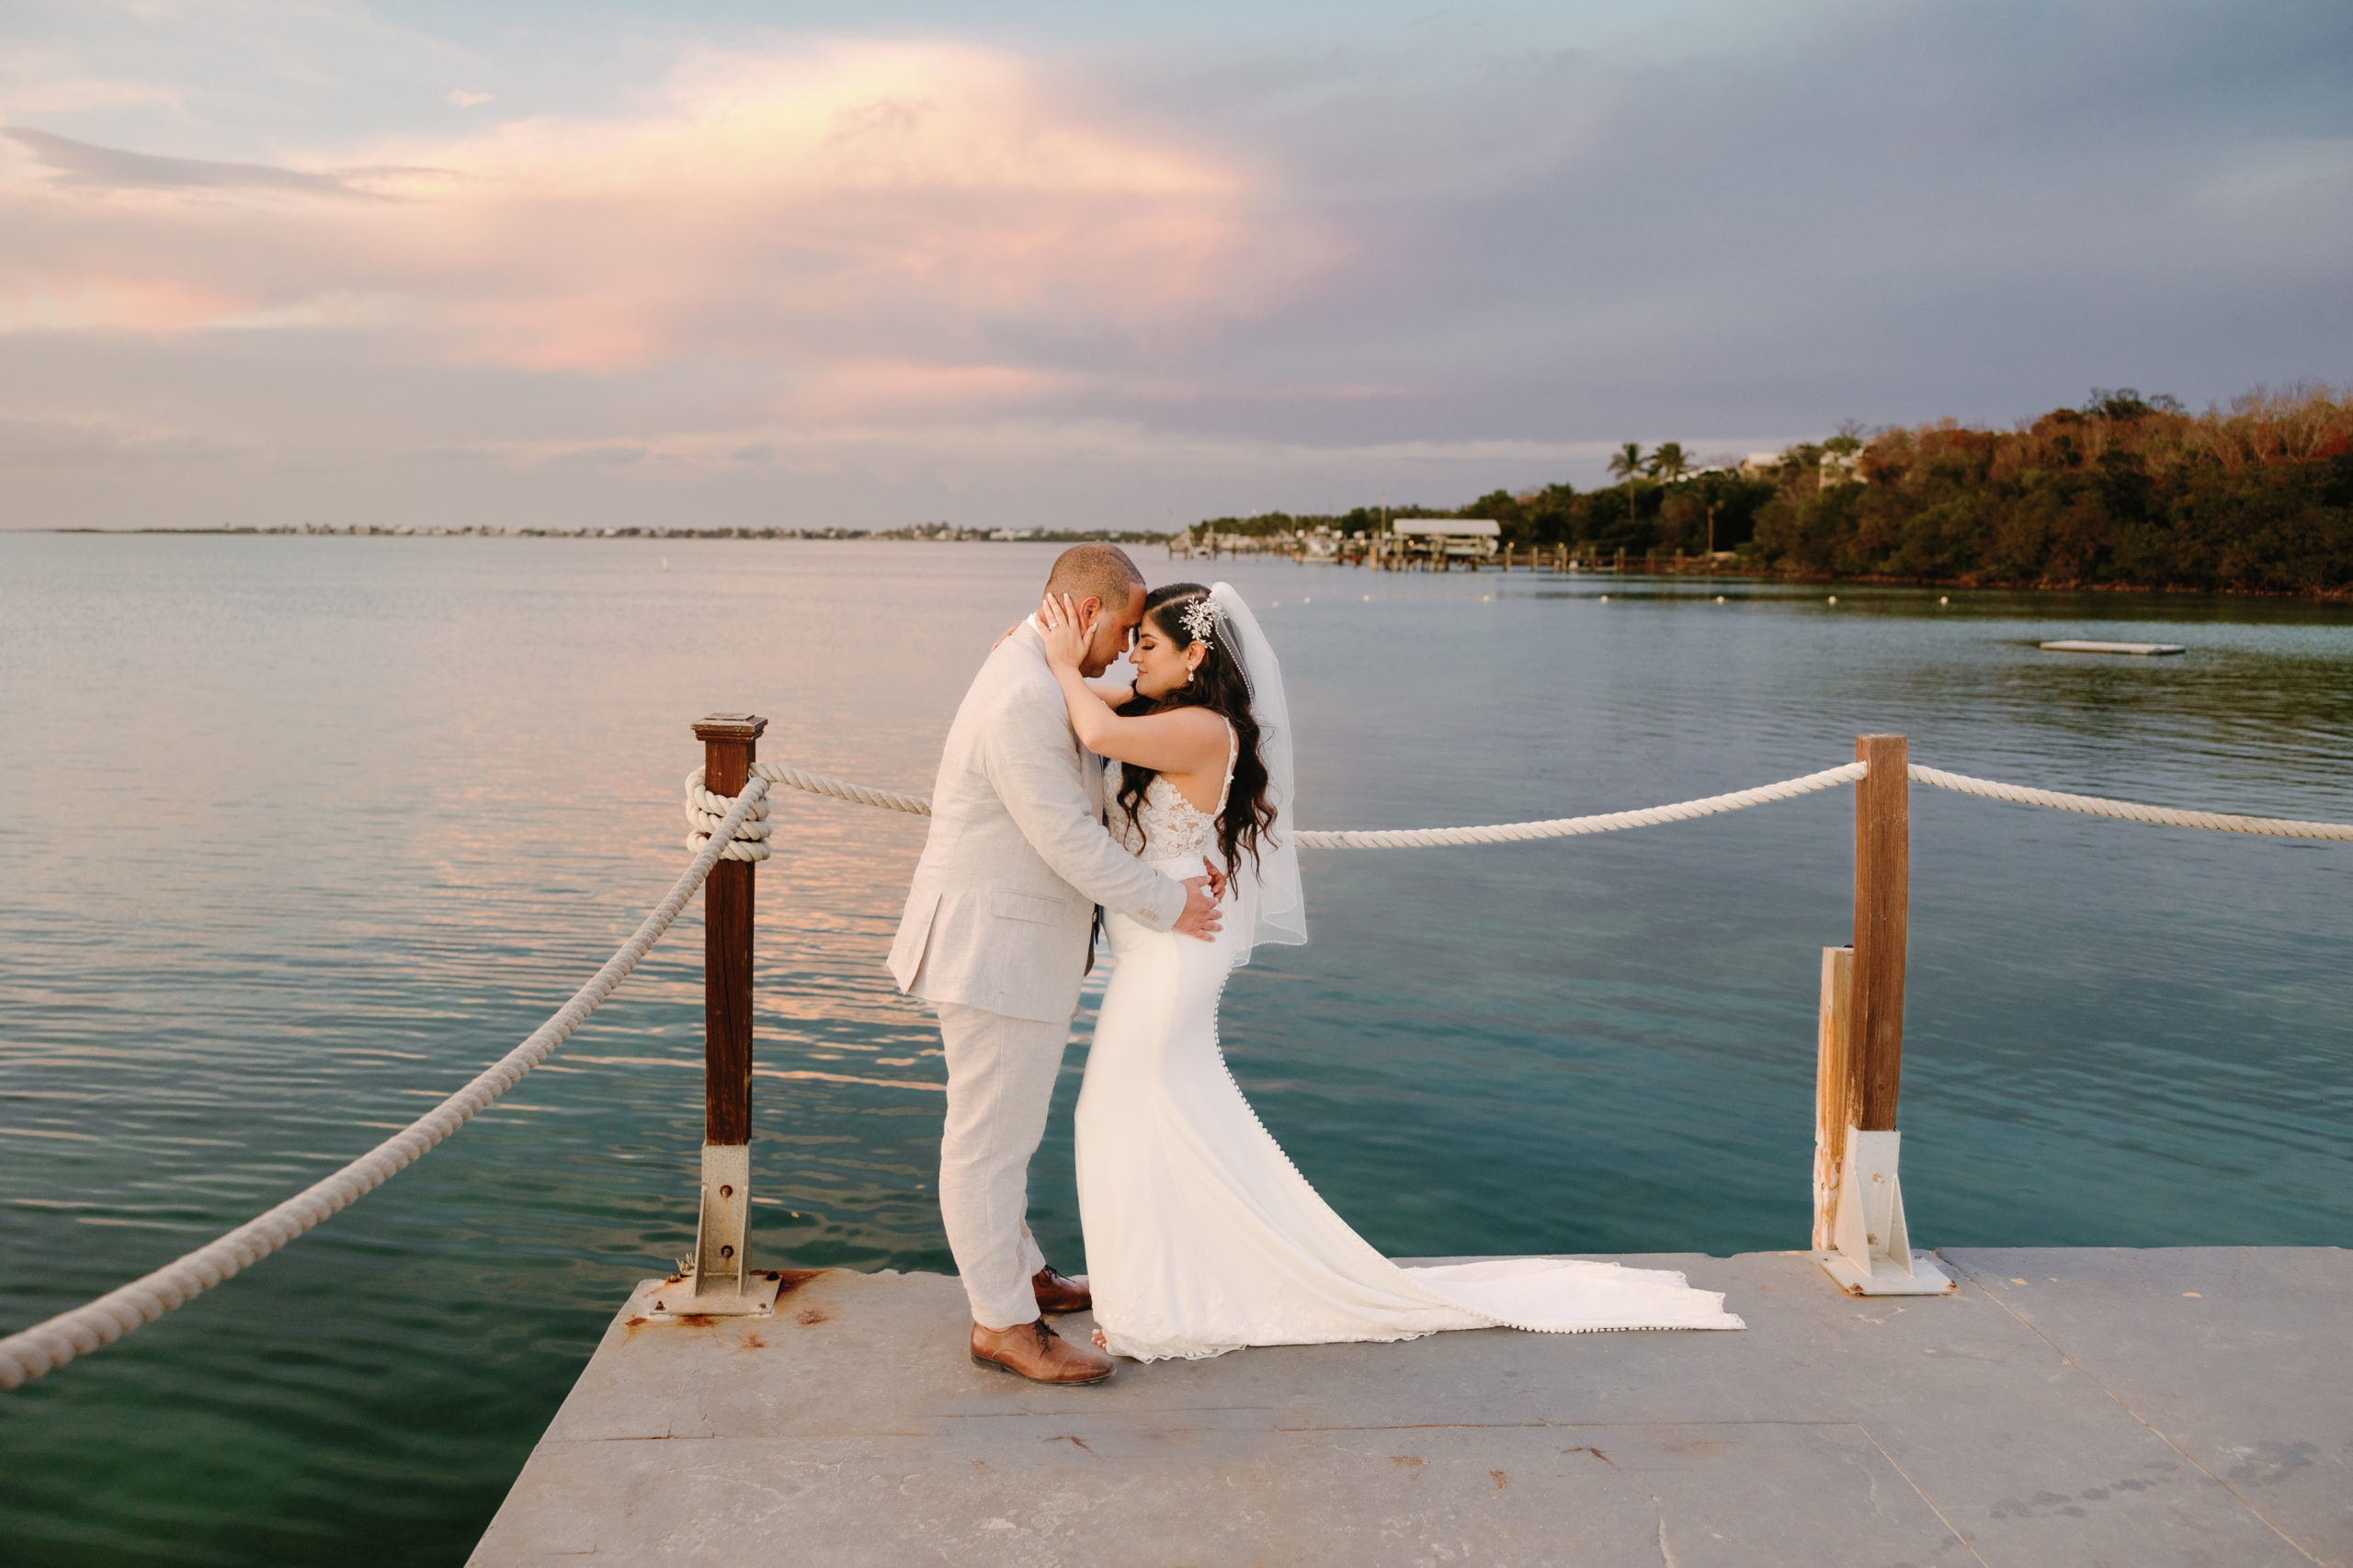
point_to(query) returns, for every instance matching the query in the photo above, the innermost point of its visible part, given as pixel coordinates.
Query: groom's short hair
(1100, 571)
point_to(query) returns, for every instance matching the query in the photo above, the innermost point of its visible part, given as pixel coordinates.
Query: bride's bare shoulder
(1204, 727)
(1198, 721)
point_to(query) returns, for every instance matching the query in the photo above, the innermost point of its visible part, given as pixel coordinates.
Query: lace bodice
(1172, 826)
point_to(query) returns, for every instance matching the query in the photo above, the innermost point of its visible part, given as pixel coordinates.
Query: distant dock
(1444, 545)
(2190, 1406)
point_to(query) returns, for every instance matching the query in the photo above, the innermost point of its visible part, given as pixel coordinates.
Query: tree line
(2125, 491)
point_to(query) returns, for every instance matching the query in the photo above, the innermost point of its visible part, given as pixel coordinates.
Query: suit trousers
(1001, 1075)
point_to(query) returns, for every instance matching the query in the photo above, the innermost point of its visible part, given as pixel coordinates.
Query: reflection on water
(299, 833)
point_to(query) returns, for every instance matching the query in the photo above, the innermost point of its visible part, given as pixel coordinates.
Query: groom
(996, 938)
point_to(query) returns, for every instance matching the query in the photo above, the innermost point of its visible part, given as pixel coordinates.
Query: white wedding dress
(1201, 1236)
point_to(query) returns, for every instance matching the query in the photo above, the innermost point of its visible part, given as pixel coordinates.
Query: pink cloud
(35, 80)
(877, 219)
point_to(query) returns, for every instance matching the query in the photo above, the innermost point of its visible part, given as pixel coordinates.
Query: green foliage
(1263, 526)
(1638, 515)
(1360, 520)
(2126, 403)
(2127, 492)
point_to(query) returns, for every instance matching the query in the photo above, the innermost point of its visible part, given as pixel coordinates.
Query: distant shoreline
(976, 536)
(934, 534)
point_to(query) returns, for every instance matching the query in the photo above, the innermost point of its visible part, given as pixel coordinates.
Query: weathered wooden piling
(1859, 1229)
(721, 1283)
(1883, 895)
(731, 744)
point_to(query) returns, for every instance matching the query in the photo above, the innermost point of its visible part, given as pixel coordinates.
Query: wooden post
(730, 744)
(722, 1281)
(1831, 1086)
(1859, 1229)
(1883, 882)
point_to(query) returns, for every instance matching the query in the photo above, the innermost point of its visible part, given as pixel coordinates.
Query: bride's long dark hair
(1218, 686)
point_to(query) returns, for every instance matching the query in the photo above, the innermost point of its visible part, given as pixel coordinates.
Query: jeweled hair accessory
(1199, 620)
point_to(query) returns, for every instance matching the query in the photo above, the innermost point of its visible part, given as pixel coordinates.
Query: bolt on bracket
(724, 1283)
(1872, 1255)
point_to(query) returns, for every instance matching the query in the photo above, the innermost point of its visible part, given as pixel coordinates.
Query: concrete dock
(2136, 1408)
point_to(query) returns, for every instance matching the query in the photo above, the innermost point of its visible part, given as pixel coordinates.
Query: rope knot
(706, 811)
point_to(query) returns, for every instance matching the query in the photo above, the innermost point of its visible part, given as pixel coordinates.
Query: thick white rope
(702, 806)
(51, 1344)
(2129, 811)
(752, 840)
(792, 778)
(705, 809)
(707, 813)
(1569, 827)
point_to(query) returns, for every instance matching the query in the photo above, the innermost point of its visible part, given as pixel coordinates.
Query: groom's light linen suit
(995, 937)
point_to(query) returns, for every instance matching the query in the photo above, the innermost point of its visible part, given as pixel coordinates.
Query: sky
(1035, 263)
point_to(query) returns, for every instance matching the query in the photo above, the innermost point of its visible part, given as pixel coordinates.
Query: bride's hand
(1066, 635)
(1216, 879)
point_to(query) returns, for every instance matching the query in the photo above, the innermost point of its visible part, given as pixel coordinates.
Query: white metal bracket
(722, 1283)
(672, 1300)
(1871, 1252)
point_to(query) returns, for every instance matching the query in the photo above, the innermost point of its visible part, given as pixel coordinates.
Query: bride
(1201, 1236)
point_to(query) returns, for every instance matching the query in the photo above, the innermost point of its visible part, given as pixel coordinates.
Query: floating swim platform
(2073, 645)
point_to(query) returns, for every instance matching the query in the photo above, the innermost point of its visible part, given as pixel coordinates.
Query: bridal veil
(1273, 907)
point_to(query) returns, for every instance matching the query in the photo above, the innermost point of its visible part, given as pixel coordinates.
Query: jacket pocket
(1008, 904)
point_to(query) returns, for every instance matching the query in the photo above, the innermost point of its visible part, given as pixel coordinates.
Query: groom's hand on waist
(1201, 916)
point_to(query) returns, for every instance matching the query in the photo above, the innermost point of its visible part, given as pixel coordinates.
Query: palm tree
(1626, 462)
(1710, 486)
(1668, 464)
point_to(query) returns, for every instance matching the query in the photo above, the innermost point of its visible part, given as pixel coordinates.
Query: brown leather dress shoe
(1058, 1292)
(1034, 1351)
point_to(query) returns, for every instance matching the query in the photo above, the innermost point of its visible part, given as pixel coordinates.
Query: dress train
(1201, 1235)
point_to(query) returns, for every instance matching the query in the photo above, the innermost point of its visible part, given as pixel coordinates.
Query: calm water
(296, 833)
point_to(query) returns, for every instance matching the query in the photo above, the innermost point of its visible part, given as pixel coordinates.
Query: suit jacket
(1018, 857)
